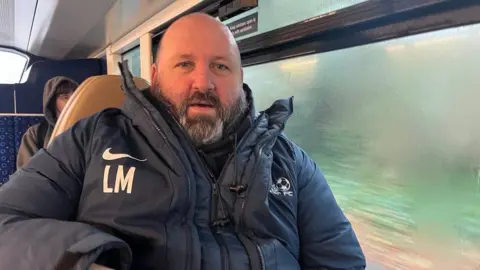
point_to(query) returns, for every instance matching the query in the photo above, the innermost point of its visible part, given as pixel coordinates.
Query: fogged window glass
(273, 14)
(395, 128)
(133, 57)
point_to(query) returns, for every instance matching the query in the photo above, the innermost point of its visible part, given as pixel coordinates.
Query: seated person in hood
(56, 93)
(185, 175)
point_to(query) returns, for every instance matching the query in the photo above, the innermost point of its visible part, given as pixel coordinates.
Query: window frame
(360, 24)
(19, 53)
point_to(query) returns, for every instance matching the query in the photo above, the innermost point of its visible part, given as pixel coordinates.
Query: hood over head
(53, 88)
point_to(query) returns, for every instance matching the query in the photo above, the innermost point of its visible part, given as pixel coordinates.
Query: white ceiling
(122, 17)
(15, 22)
(63, 29)
(7, 17)
(59, 25)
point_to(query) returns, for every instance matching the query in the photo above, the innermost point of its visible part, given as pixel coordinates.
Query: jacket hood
(49, 93)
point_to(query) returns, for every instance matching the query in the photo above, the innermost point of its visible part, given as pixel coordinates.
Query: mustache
(209, 98)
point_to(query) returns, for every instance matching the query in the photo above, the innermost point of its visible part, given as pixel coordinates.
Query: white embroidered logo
(124, 176)
(123, 182)
(282, 187)
(107, 155)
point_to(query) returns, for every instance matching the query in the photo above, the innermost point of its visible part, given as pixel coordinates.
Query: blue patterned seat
(12, 129)
(7, 148)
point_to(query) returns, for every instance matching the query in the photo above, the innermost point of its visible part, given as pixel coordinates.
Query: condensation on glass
(395, 128)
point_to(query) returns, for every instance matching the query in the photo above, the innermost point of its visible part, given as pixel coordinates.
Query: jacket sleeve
(327, 240)
(38, 210)
(28, 146)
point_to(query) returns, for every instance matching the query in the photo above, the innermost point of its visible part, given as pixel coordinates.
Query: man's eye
(220, 66)
(184, 64)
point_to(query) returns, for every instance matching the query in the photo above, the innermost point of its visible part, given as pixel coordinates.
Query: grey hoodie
(37, 136)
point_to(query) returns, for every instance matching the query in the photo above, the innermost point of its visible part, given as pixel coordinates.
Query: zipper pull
(221, 222)
(239, 189)
(214, 189)
(211, 174)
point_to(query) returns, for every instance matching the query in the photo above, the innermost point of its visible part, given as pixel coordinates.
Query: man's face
(198, 74)
(61, 102)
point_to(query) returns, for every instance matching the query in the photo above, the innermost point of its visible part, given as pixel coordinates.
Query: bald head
(197, 26)
(198, 72)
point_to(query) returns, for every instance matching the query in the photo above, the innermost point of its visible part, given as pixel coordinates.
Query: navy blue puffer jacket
(126, 189)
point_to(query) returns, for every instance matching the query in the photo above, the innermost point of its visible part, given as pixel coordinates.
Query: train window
(273, 14)
(12, 65)
(133, 57)
(394, 127)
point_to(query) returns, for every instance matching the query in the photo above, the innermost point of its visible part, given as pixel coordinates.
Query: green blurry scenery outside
(395, 127)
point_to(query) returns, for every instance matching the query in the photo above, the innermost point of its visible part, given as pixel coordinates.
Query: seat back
(93, 95)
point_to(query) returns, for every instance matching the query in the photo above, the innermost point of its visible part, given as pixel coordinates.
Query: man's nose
(203, 79)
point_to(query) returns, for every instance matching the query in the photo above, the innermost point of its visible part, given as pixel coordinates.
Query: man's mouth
(202, 105)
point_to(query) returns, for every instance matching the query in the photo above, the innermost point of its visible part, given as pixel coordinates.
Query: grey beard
(204, 130)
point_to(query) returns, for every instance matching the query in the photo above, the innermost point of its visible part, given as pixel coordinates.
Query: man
(184, 176)
(56, 93)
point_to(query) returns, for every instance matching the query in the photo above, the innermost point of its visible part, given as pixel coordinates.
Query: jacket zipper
(171, 150)
(216, 195)
(249, 238)
(213, 212)
(188, 236)
(240, 144)
(216, 230)
(217, 234)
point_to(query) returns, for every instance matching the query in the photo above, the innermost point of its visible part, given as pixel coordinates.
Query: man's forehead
(199, 36)
(194, 55)
(195, 23)
(196, 36)
(190, 50)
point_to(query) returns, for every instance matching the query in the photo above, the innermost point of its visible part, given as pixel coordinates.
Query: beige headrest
(93, 95)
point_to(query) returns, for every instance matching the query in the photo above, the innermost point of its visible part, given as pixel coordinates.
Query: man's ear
(153, 78)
